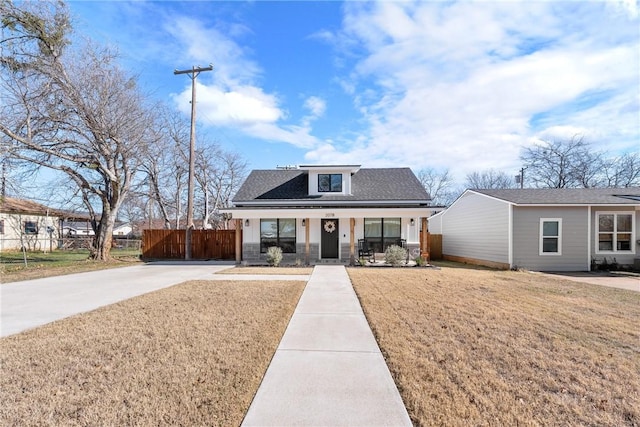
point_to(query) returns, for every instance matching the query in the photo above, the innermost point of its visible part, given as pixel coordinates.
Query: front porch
(323, 239)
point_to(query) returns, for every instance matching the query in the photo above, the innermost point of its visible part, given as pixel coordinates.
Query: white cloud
(202, 45)
(459, 85)
(298, 136)
(315, 105)
(629, 7)
(231, 96)
(243, 105)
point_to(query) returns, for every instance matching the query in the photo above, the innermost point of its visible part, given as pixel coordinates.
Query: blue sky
(457, 85)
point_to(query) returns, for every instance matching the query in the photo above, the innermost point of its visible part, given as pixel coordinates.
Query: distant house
(122, 229)
(77, 227)
(323, 213)
(542, 229)
(27, 224)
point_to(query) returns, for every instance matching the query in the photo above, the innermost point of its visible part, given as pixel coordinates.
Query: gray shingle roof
(568, 196)
(367, 185)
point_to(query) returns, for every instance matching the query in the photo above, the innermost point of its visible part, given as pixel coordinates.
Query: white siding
(477, 227)
(526, 238)
(13, 237)
(435, 223)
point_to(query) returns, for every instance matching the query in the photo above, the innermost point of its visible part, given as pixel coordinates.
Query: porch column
(424, 245)
(352, 234)
(307, 248)
(238, 240)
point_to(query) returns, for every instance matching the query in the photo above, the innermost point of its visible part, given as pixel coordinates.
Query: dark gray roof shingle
(375, 185)
(567, 196)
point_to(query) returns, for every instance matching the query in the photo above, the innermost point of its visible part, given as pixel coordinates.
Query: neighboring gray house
(320, 213)
(542, 229)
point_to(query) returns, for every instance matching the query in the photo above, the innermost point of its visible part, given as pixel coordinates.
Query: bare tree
(562, 164)
(205, 163)
(231, 172)
(88, 122)
(622, 171)
(438, 184)
(165, 166)
(219, 175)
(489, 178)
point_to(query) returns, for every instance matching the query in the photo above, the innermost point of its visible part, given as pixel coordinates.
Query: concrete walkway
(31, 303)
(328, 369)
(629, 282)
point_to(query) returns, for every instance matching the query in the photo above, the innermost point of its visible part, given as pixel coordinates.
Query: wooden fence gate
(435, 246)
(205, 244)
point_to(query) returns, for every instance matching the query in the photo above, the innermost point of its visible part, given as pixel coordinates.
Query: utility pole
(3, 189)
(520, 178)
(193, 74)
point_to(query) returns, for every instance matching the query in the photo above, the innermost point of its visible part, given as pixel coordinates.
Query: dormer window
(330, 183)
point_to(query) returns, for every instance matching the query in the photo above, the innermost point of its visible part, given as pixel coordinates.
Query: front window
(550, 236)
(330, 183)
(615, 231)
(380, 233)
(30, 227)
(278, 232)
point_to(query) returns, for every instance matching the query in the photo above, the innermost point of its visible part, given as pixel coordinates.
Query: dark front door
(329, 240)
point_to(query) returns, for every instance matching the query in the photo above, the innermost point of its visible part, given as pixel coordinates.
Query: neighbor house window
(615, 231)
(1, 226)
(30, 227)
(330, 183)
(380, 233)
(278, 232)
(550, 236)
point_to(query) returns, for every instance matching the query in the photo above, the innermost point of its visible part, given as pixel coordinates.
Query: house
(122, 229)
(27, 224)
(321, 213)
(77, 227)
(555, 229)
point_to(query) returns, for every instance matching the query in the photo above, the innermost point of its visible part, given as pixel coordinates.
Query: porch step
(329, 261)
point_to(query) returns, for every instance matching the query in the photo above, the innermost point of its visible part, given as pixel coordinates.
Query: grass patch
(473, 347)
(56, 263)
(192, 354)
(268, 270)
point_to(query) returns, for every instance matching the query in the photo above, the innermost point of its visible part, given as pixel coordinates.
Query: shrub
(420, 261)
(274, 256)
(395, 255)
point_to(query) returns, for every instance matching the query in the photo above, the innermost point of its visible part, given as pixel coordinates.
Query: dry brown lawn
(494, 348)
(269, 271)
(192, 354)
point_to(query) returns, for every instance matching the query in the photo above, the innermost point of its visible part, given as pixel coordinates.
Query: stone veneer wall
(345, 254)
(414, 250)
(251, 254)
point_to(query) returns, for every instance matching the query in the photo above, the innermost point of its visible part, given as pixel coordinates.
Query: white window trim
(540, 237)
(614, 232)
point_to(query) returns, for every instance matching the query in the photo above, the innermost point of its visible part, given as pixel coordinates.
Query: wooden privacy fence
(435, 246)
(205, 244)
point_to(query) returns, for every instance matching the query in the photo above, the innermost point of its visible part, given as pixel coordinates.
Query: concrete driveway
(613, 280)
(28, 304)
